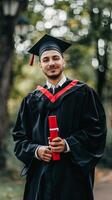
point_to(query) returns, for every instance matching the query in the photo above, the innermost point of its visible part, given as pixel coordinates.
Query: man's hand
(57, 145)
(44, 153)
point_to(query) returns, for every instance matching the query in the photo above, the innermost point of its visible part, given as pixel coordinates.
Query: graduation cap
(47, 43)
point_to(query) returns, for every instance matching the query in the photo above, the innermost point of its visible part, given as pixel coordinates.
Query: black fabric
(82, 122)
(48, 42)
(46, 187)
(49, 46)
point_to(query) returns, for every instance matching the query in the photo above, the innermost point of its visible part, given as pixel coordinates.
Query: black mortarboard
(46, 43)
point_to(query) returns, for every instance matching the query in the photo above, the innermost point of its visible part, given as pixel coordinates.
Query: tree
(86, 23)
(7, 28)
(101, 34)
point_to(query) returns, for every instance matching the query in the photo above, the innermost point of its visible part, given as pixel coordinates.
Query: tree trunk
(7, 26)
(101, 71)
(6, 55)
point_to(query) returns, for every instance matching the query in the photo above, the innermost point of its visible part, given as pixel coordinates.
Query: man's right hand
(44, 153)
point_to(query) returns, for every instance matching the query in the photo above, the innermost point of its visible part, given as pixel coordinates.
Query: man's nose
(51, 62)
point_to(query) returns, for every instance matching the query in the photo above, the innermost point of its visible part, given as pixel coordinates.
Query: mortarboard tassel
(31, 60)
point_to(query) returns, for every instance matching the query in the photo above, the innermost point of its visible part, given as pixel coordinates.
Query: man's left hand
(57, 145)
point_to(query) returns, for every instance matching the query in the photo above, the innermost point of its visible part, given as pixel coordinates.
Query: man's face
(52, 64)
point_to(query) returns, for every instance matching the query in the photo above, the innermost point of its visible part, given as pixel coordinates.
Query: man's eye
(56, 58)
(45, 60)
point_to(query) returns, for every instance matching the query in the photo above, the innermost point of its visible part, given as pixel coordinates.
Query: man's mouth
(52, 70)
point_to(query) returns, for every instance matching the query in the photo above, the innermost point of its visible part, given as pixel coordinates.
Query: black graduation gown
(81, 121)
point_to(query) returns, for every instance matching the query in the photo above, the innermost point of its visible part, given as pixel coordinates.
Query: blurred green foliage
(78, 17)
(74, 21)
(78, 65)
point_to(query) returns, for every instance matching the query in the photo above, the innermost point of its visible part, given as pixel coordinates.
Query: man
(59, 167)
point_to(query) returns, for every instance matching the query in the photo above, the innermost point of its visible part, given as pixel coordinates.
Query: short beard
(54, 77)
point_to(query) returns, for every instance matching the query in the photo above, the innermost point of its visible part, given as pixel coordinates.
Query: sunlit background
(88, 26)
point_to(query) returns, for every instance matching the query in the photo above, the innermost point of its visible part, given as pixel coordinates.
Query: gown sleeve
(24, 148)
(87, 144)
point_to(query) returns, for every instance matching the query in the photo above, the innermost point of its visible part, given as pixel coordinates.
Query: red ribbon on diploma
(54, 132)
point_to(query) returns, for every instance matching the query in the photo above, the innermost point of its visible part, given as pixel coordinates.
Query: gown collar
(54, 98)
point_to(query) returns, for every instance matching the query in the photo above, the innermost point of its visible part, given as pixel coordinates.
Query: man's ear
(39, 64)
(64, 63)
